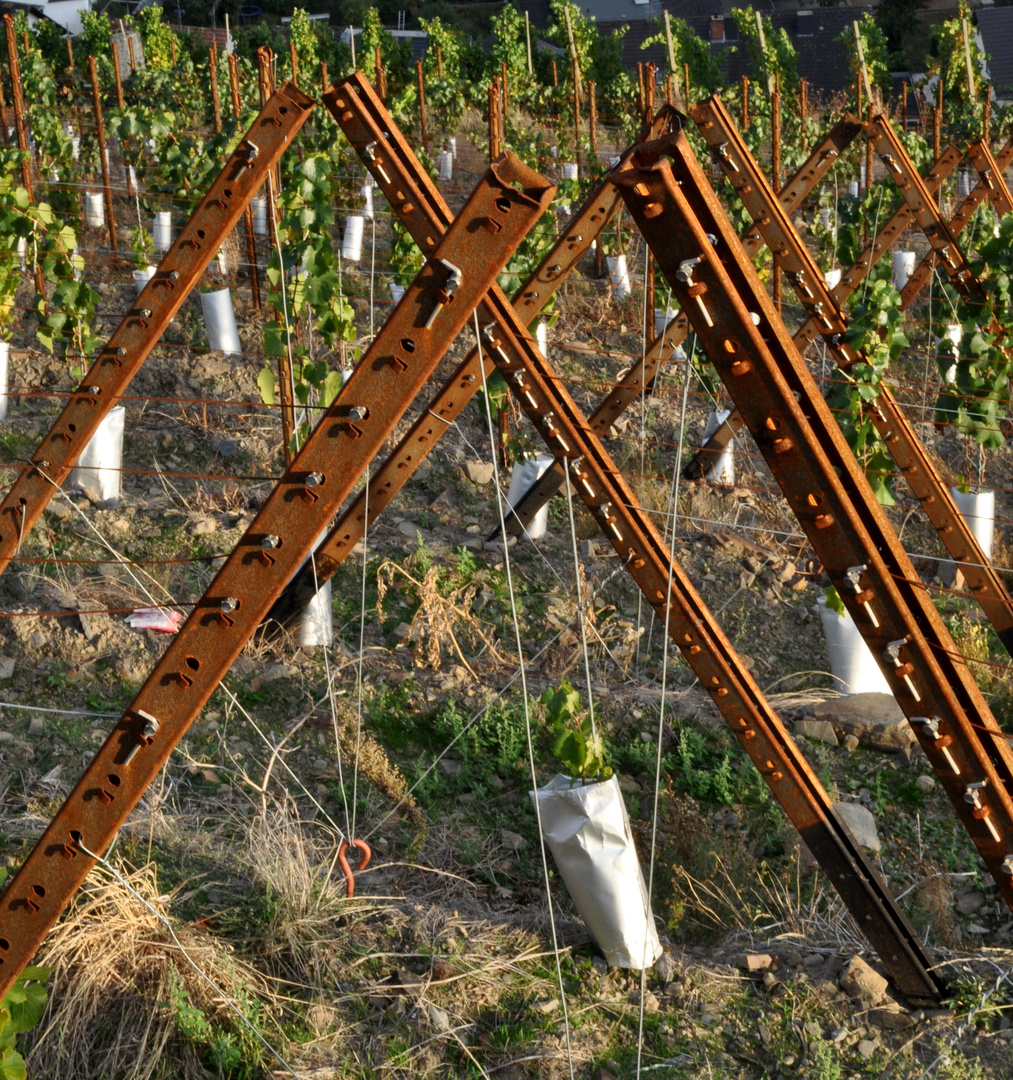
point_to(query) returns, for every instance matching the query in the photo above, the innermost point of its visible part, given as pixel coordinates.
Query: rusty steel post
(685, 77)
(576, 113)
(597, 480)
(119, 81)
(422, 104)
(869, 163)
(885, 413)
(213, 69)
(20, 128)
(130, 50)
(365, 122)
(251, 240)
(802, 443)
(641, 98)
(103, 157)
(937, 130)
(745, 102)
(3, 116)
(439, 63)
(463, 266)
(555, 74)
(70, 54)
(506, 93)
(850, 280)
(986, 115)
(294, 61)
(143, 325)
(592, 117)
(775, 171)
(325, 80)
(381, 76)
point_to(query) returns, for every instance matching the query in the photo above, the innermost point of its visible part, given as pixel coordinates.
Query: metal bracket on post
(692, 626)
(900, 438)
(139, 331)
(298, 509)
(676, 208)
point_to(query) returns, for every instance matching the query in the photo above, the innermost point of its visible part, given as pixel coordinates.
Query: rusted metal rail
(627, 526)
(959, 221)
(366, 124)
(677, 211)
(139, 331)
(461, 266)
(644, 370)
(992, 176)
(914, 462)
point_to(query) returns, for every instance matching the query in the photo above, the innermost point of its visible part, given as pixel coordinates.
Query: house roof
(822, 62)
(995, 25)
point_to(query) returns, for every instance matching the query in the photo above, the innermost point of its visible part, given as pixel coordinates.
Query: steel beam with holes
(930, 220)
(644, 370)
(821, 307)
(461, 266)
(366, 124)
(628, 527)
(675, 207)
(959, 221)
(150, 314)
(992, 176)
(850, 280)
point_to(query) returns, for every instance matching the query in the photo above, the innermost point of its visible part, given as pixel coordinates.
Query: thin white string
(524, 696)
(219, 992)
(676, 477)
(580, 599)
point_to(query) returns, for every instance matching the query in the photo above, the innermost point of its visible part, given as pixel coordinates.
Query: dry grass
(116, 967)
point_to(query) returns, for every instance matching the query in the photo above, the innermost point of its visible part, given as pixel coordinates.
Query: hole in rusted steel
(113, 779)
(642, 189)
(503, 204)
(4, 943)
(407, 344)
(38, 890)
(75, 836)
(729, 346)
(284, 110)
(814, 500)
(192, 663)
(228, 193)
(201, 233)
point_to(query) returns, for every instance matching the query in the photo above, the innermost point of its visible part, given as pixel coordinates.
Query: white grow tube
(220, 321)
(524, 474)
(161, 231)
(99, 468)
(852, 665)
(94, 209)
(351, 244)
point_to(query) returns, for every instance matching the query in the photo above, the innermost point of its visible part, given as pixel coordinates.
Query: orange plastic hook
(363, 861)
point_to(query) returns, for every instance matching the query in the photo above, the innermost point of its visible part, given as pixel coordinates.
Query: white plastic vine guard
(161, 231)
(569, 170)
(5, 359)
(220, 321)
(903, 268)
(524, 474)
(351, 245)
(832, 278)
(619, 277)
(977, 508)
(588, 832)
(94, 210)
(142, 277)
(662, 317)
(99, 468)
(852, 665)
(396, 292)
(445, 165)
(542, 338)
(259, 206)
(723, 471)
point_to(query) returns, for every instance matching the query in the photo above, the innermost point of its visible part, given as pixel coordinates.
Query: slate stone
(874, 719)
(862, 825)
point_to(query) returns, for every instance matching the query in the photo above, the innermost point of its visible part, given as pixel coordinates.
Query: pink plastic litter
(155, 619)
